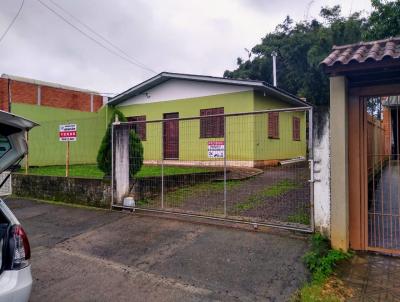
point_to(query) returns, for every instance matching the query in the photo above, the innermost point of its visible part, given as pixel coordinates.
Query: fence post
(311, 159)
(225, 151)
(162, 165)
(121, 163)
(112, 164)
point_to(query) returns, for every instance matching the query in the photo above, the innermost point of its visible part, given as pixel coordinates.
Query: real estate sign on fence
(216, 149)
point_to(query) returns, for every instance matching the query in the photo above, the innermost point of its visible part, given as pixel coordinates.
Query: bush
(135, 149)
(135, 154)
(322, 259)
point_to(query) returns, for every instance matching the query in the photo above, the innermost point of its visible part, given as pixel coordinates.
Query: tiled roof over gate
(364, 52)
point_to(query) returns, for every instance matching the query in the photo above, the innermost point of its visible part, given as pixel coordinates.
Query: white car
(15, 268)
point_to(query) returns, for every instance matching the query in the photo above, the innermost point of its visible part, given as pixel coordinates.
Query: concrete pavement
(96, 255)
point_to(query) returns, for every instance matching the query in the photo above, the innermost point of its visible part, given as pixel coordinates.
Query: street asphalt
(83, 254)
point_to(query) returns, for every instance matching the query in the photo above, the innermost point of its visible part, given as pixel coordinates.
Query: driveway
(96, 255)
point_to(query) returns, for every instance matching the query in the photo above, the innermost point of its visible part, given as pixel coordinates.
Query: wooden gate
(374, 170)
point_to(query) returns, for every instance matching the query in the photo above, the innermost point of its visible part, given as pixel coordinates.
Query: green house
(198, 120)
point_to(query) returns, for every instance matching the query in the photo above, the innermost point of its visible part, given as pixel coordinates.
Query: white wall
(182, 89)
(322, 186)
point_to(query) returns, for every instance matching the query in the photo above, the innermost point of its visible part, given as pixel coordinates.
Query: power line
(93, 39)
(12, 21)
(98, 34)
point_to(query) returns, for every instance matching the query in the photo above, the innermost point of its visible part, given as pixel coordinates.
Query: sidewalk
(372, 277)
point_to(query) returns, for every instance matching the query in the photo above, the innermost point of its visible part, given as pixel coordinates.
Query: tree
(104, 157)
(384, 21)
(135, 154)
(303, 45)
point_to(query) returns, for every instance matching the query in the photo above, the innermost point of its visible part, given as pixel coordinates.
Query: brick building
(15, 89)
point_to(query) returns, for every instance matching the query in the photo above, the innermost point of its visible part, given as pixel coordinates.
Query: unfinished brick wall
(28, 93)
(23, 93)
(3, 94)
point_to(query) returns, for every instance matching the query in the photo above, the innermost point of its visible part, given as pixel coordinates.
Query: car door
(13, 146)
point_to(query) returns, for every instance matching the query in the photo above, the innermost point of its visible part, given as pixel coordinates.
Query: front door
(171, 136)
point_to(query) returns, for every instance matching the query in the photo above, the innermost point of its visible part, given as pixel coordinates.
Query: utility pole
(274, 54)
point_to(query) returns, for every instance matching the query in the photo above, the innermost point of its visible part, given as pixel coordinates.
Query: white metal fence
(251, 167)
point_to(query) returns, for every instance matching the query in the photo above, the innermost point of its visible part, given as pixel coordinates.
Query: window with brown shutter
(296, 128)
(211, 127)
(273, 125)
(139, 128)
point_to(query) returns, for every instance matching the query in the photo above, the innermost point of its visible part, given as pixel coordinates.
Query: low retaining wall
(97, 192)
(86, 191)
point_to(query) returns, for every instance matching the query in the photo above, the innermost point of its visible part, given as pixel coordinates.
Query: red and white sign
(67, 133)
(216, 149)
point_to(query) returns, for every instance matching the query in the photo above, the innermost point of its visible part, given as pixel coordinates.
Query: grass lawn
(91, 171)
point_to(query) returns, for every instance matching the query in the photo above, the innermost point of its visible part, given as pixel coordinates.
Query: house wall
(284, 147)
(239, 146)
(182, 89)
(246, 136)
(44, 145)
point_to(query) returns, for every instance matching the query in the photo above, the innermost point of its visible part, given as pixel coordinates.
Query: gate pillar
(121, 137)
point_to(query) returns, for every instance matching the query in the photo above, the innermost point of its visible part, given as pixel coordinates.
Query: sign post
(67, 161)
(67, 133)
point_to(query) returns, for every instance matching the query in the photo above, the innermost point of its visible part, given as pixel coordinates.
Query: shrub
(135, 154)
(135, 149)
(322, 259)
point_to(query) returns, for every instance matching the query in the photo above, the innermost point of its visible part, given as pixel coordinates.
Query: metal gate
(383, 163)
(251, 167)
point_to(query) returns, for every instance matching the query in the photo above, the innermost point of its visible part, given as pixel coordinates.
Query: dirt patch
(277, 194)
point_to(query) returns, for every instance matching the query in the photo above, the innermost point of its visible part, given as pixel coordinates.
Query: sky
(186, 36)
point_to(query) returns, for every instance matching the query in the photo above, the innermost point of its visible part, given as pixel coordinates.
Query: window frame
(139, 128)
(296, 136)
(273, 125)
(212, 127)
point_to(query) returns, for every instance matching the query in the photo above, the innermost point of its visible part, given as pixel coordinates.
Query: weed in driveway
(144, 202)
(280, 188)
(300, 217)
(321, 261)
(180, 195)
(275, 190)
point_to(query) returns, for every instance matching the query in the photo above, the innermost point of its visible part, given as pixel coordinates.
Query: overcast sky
(188, 36)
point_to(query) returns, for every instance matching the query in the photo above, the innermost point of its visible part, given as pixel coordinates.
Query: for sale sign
(216, 149)
(67, 133)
